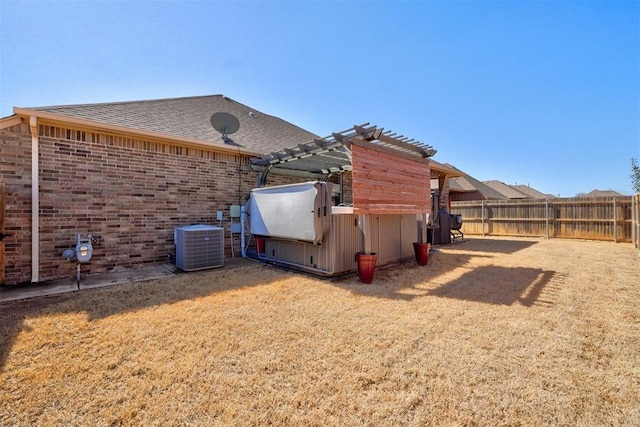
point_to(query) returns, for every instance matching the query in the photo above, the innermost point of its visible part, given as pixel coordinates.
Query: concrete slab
(14, 293)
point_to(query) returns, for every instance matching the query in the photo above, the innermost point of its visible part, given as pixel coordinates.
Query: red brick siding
(15, 172)
(276, 179)
(347, 193)
(129, 194)
(465, 196)
(347, 188)
(444, 195)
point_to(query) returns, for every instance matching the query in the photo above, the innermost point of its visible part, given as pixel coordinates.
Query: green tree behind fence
(635, 175)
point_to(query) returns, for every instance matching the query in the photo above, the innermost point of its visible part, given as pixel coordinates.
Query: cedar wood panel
(385, 183)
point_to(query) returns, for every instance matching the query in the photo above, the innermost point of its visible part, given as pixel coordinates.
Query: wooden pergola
(391, 174)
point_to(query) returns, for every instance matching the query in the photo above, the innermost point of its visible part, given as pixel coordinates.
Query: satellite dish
(225, 123)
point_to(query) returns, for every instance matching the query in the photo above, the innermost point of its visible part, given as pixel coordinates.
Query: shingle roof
(532, 192)
(467, 184)
(190, 118)
(508, 191)
(603, 193)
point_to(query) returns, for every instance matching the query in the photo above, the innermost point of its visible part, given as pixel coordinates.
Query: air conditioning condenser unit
(199, 247)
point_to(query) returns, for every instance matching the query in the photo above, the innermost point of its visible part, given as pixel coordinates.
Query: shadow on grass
(523, 285)
(99, 303)
(479, 244)
(400, 281)
(490, 283)
(13, 314)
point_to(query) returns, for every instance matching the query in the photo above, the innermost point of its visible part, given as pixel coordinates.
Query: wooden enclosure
(389, 183)
(594, 218)
(391, 239)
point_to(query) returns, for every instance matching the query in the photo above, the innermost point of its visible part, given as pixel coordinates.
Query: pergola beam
(333, 153)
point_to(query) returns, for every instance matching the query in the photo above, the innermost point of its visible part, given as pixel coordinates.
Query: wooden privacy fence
(594, 218)
(635, 221)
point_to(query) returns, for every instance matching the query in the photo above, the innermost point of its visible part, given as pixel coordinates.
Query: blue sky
(544, 93)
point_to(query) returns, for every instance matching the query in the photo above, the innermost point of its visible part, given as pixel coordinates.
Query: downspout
(262, 176)
(243, 218)
(364, 223)
(35, 202)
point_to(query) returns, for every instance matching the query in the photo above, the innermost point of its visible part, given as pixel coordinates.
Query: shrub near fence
(594, 218)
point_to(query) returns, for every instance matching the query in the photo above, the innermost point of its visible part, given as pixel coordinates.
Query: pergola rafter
(332, 154)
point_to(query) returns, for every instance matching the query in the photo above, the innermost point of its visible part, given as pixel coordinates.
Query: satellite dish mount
(225, 123)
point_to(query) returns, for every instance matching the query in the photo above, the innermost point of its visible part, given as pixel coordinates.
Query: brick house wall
(347, 188)
(444, 194)
(465, 196)
(128, 193)
(15, 173)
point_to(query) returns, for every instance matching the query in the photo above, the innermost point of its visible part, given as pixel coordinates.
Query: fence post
(633, 221)
(637, 197)
(546, 214)
(615, 222)
(482, 215)
(638, 222)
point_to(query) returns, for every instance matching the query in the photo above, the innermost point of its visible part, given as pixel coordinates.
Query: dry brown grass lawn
(492, 332)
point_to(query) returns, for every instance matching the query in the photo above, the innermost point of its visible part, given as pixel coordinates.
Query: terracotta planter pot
(366, 266)
(422, 253)
(260, 245)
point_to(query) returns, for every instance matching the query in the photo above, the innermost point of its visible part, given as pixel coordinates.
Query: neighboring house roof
(186, 118)
(508, 191)
(494, 189)
(532, 192)
(603, 193)
(444, 169)
(467, 184)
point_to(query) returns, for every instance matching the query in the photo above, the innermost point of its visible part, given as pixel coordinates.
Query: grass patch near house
(492, 332)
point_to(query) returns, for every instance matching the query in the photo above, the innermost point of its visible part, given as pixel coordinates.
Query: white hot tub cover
(296, 211)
